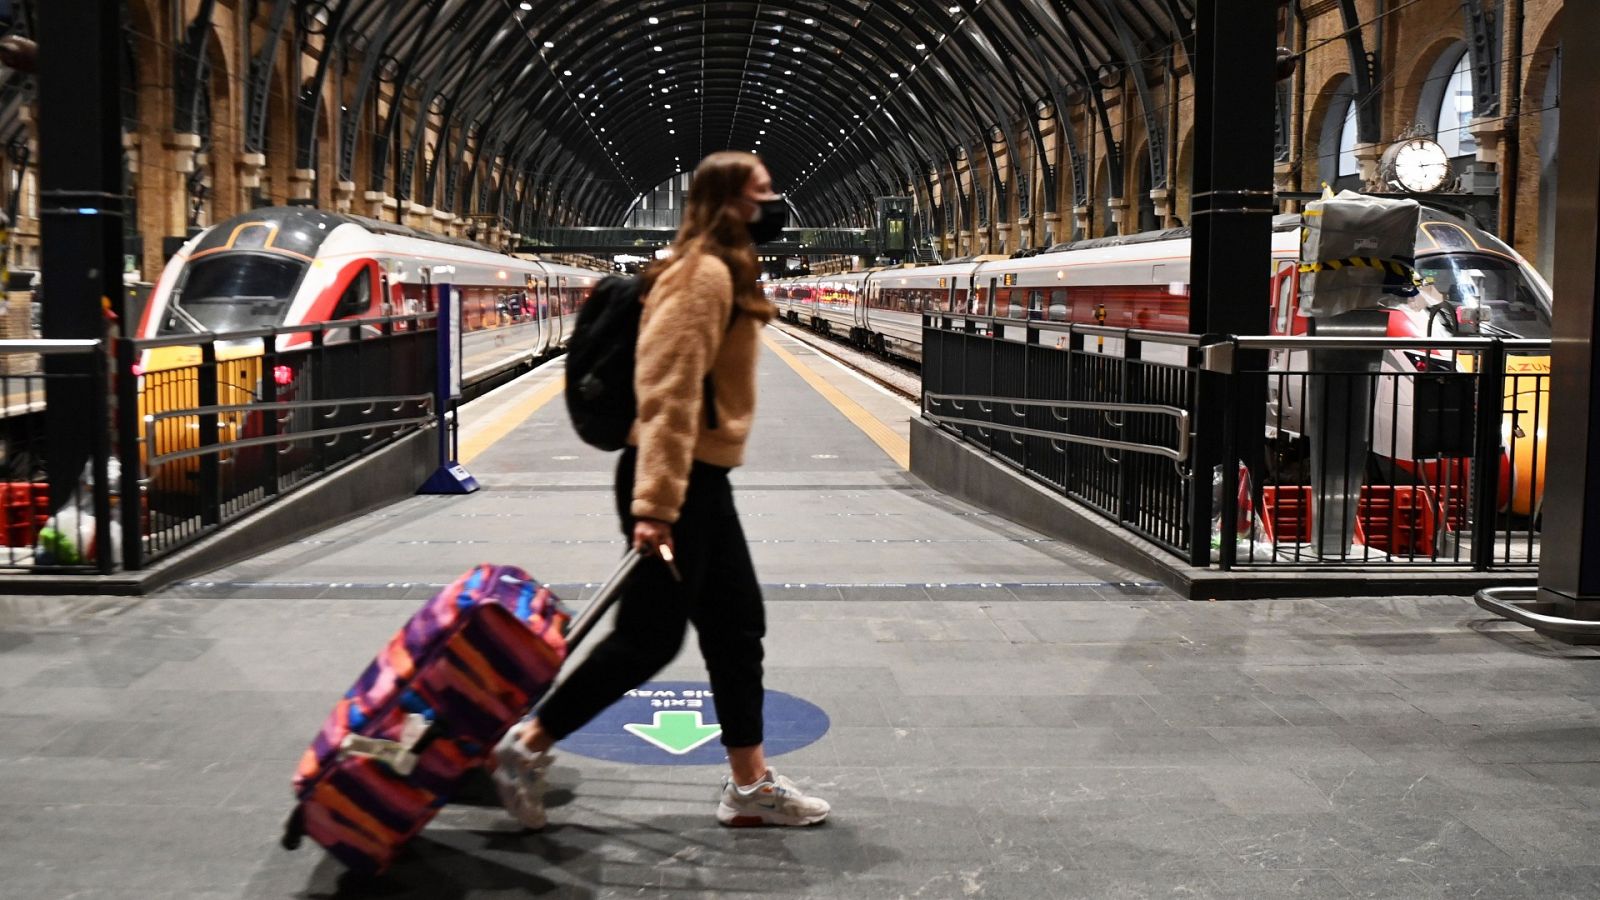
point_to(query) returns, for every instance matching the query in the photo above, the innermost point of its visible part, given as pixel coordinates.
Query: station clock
(1418, 165)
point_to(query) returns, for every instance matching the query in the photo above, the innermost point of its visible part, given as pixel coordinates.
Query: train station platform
(993, 714)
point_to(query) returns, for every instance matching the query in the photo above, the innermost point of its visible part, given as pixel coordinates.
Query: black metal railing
(1112, 432)
(1431, 452)
(54, 517)
(210, 427)
(1443, 443)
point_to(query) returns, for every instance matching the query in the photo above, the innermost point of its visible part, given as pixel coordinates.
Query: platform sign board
(674, 723)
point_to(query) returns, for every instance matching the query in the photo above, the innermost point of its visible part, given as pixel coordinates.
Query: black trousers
(719, 594)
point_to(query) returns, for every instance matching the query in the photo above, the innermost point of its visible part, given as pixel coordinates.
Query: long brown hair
(712, 223)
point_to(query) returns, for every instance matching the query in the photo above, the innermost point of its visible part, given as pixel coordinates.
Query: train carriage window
(1058, 305)
(1286, 296)
(357, 297)
(1002, 303)
(959, 301)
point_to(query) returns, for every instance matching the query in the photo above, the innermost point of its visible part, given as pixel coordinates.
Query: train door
(530, 311)
(559, 311)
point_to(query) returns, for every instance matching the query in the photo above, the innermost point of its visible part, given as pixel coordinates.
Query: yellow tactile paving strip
(890, 441)
(505, 420)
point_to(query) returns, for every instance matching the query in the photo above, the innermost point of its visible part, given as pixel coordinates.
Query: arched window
(1349, 166)
(1336, 150)
(1147, 204)
(1453, 117)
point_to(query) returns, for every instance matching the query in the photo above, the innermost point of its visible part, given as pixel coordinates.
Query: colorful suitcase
(430, 708)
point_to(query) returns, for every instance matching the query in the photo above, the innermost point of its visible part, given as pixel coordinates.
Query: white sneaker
(519, 777)
(775, 800)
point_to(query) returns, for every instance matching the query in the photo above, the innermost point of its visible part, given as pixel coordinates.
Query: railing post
(269, 414)
(1030, 349)
(1486, 453)
(318, 359)
(210, 483)
(100, 411)
(1211, 445)
(130, 452)
(1228, 530)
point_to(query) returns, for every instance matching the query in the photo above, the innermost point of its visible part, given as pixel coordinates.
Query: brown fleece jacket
(683, 335)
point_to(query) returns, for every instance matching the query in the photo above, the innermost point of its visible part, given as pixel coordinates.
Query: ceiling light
(955, 10)
(657, 48)
(922, 46)
(548, 44)
(788, 72)
(763, 131)
(666, 105)
(780, 90)
(894, 74)
(872, 96)
(567, 72)
(811, 21)
(526, 7)
(654, 21)
(582, 96)
(663, 90)
(799, 49)
(661, 71)
(669, 118)
(672, 131)
(774, 42)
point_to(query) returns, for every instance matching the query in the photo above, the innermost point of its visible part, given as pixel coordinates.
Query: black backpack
(600, 357)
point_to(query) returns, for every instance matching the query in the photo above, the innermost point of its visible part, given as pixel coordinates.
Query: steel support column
(1566, 606)
(1235, 63)
(80, 147)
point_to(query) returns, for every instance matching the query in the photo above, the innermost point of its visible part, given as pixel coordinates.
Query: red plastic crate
(24, 509)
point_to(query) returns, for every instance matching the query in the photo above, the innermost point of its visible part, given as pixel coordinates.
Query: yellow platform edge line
(898, 448)
(506, 420)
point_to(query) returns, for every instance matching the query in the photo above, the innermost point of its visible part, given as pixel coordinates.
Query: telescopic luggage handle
(607, 595)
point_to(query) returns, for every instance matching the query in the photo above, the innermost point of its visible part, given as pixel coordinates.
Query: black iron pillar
(1235, 84)
(81, 169)
(1567, 604)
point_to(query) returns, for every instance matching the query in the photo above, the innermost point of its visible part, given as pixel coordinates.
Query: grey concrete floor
(1010, 718)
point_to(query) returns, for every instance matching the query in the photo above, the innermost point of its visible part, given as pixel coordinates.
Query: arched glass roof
(604, 99)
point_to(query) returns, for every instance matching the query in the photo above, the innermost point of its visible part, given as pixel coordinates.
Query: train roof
(302, 230)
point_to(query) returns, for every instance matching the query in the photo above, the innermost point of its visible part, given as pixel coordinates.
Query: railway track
(900, 378)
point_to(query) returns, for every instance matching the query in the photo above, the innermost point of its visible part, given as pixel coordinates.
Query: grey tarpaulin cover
(1357, 252)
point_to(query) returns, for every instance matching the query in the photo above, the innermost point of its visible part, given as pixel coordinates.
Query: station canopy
(841, 98)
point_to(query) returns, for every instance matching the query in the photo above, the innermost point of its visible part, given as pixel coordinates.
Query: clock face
(1421, 166)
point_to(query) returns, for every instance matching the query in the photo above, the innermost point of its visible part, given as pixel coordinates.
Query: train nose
(1523, 433)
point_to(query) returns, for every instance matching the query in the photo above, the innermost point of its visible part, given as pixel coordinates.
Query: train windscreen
(1490, 290)
(233, 292)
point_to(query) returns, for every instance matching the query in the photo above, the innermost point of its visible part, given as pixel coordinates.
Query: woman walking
(698, 345)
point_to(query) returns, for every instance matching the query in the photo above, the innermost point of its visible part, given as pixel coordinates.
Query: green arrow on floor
(675, 732)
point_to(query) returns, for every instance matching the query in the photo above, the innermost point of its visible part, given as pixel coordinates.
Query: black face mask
(774, 216)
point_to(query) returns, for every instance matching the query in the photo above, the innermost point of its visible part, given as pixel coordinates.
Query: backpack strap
(710, 389)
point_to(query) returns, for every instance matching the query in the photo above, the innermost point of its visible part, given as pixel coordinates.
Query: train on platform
(294, 266)
(291, 268)
(1477, 285)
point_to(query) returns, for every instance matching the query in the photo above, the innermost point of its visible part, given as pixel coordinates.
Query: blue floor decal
(674, 723)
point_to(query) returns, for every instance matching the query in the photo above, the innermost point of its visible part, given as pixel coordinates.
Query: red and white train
(1142, 282)
(297, 265)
